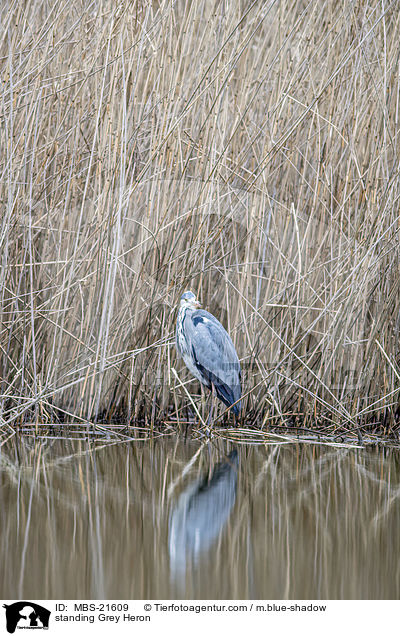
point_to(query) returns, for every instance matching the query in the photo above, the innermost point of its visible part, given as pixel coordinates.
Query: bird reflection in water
(201, 513)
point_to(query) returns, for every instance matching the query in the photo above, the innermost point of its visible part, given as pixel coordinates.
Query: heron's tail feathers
(226, 394)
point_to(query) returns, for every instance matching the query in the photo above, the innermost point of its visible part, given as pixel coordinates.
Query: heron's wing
(215, 356)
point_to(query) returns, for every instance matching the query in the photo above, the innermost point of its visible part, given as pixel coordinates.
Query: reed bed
(247, 151)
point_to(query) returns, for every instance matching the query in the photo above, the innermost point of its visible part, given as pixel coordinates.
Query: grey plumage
(208, 351)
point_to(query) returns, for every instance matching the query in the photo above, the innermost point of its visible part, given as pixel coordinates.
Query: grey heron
(208, 351)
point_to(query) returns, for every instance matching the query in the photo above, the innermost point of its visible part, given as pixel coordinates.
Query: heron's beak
(197, 303)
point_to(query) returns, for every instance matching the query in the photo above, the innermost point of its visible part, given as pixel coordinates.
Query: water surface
(175, 519)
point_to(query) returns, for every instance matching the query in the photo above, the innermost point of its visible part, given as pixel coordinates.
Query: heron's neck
(183, 311)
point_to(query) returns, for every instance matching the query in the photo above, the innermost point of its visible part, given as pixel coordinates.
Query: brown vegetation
(247, 151)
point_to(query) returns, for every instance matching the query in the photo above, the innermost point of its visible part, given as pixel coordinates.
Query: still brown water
(162, 519)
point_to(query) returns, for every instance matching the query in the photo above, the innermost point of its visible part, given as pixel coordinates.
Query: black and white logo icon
(26, 615)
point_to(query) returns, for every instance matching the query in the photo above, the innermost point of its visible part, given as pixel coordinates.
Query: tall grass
(246, 151)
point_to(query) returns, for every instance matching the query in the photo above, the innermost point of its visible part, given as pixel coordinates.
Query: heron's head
(188, 299)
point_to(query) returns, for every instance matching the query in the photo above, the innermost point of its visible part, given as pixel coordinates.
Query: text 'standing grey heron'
(208, 351)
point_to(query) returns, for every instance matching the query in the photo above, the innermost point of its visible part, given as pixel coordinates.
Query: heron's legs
(209, 419)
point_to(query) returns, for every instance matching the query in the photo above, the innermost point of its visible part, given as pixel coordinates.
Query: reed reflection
(297, 521)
